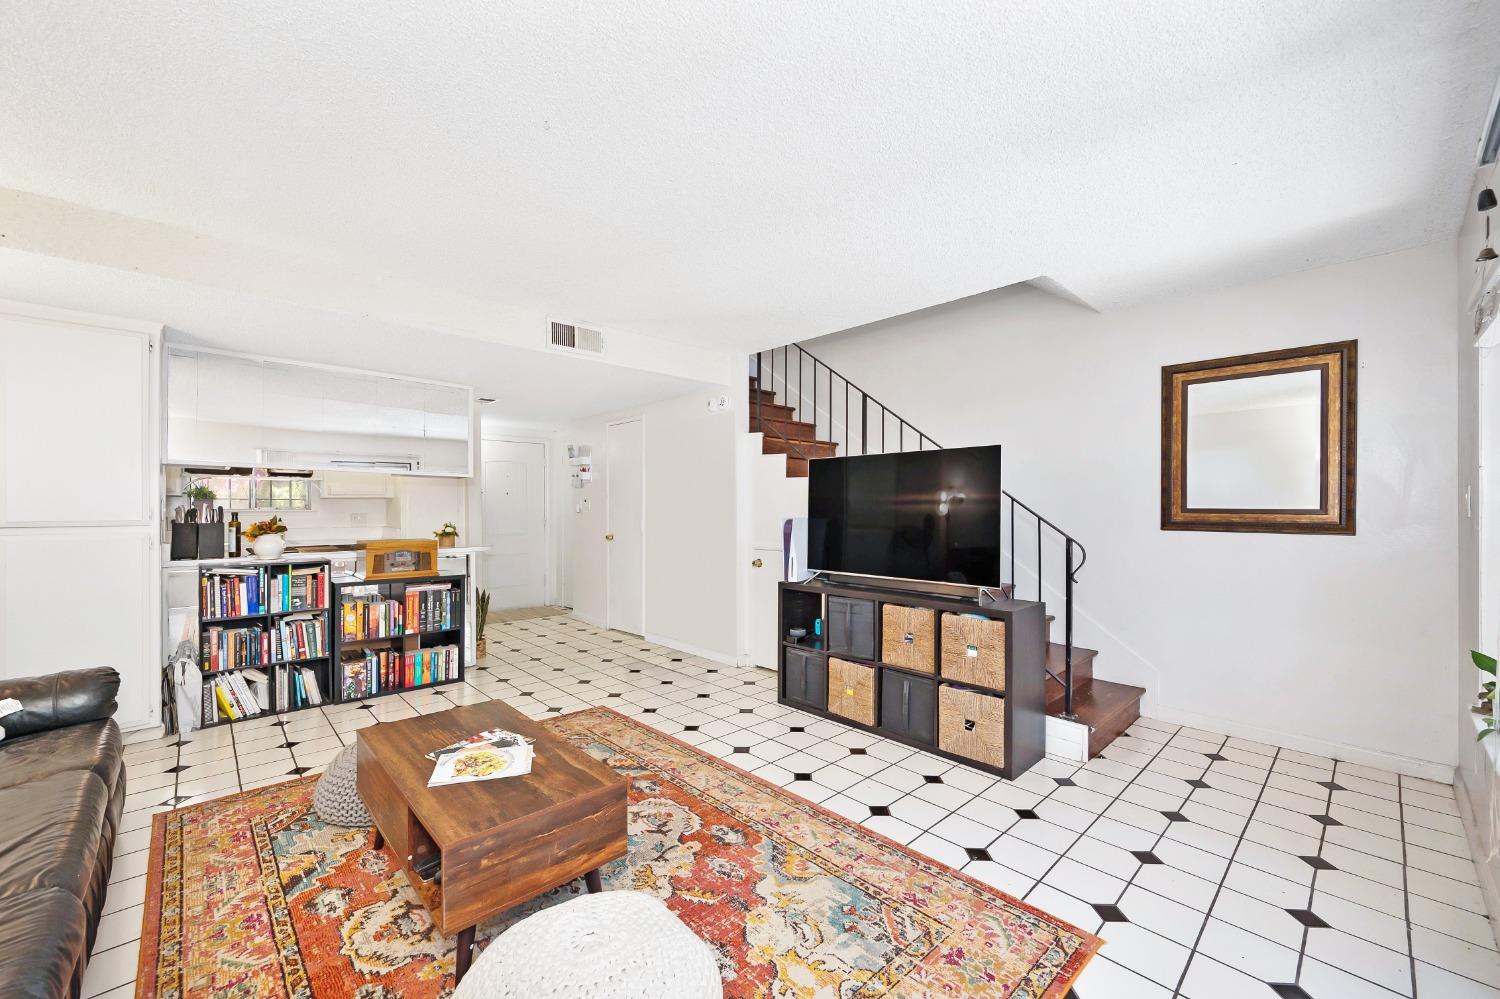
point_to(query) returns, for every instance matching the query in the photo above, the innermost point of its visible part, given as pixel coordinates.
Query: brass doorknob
(609, 537)
(757, 563)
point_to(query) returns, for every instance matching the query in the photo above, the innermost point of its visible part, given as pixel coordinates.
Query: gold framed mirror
(1261, 442)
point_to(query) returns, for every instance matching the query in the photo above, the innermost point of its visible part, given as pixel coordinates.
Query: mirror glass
(1256, 443)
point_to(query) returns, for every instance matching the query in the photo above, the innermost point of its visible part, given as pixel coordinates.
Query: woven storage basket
(851, 691)
(971, 725)
(973, 651)
(908, 637)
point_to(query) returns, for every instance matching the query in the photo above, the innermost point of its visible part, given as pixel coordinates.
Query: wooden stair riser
(770, 412)
(1083, 663)
(792, 430)
(807, 449)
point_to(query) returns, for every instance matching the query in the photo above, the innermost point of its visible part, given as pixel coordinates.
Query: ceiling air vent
(570, 337)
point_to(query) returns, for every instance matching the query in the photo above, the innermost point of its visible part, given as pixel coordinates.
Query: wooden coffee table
(499, 842)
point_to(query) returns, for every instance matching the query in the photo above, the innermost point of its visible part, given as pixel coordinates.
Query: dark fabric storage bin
(806, 678)
(908, 706)
(851, 627)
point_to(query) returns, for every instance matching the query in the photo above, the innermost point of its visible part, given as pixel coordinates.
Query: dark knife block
(211, 540)
(197, 540)
(184, 540)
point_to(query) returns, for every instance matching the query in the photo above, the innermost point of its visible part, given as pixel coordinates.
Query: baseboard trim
(1442, 773)
(691, 650)
(1487, 887)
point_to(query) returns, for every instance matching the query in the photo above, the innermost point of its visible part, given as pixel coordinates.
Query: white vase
(269, 546)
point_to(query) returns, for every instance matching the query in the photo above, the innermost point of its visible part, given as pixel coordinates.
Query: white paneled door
(624, 544)
(78, 597)
(765, 612)
(513, 495)
(79, 553)
(74, 434)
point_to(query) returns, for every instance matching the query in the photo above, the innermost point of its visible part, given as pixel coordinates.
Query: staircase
(784, 433)
(805, 410)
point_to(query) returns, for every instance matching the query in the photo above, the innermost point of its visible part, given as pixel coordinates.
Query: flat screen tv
(923, 515)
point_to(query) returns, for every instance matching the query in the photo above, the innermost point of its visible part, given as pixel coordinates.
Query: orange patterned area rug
(253, 896)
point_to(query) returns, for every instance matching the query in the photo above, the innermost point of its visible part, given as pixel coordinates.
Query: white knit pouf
(336, 798)
(612, 945)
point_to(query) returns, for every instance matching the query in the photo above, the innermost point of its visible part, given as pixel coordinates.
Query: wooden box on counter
(400, 558)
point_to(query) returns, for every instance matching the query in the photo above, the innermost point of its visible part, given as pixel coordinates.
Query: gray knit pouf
(613, 945)
(336, 799)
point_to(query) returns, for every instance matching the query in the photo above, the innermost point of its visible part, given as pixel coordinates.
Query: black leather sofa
(62, 789)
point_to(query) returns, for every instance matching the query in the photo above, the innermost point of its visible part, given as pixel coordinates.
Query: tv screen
(927, 515)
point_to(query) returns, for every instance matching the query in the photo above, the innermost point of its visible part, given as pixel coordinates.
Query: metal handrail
(765, 364)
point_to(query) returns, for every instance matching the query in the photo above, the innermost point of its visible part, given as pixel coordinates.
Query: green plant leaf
(1488, 731)
(1486, 664)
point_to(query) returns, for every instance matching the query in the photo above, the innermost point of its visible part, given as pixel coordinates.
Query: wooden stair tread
(1106, 707)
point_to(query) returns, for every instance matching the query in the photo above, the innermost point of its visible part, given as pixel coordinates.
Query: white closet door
(83, 597)
(74, 414)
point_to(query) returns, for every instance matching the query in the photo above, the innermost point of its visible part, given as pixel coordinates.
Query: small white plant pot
(269, 546)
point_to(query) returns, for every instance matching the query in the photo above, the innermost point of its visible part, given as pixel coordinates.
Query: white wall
(692, 579)
(1478, 783)
(1339, 644)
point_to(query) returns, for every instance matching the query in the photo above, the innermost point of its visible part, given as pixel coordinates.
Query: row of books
(231, 648)
(232, 592)
(233, 696)
(371, 619)
(374, 671)
(300, 588)
(238, 592)
(252, 692)
(431, 607)
(301, 636)
(297, 687)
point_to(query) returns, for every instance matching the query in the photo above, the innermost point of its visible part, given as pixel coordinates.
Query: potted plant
(481, 614)
(448, 536)
(1486, 703)
(202, 499)
(267, 537)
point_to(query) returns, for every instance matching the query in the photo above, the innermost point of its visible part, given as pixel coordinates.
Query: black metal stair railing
(817, 396)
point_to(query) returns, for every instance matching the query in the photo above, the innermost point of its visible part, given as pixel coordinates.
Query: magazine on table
(485, 756)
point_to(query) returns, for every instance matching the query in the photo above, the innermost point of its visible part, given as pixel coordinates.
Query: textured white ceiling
(743, 175)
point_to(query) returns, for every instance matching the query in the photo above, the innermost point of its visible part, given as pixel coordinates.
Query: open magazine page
(486, 756)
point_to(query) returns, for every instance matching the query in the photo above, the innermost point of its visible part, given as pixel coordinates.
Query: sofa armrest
(60, 699)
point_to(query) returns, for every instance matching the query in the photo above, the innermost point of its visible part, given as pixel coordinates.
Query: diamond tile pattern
(1245, 869)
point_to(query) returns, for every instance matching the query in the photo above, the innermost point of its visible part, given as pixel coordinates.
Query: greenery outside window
(257, 491)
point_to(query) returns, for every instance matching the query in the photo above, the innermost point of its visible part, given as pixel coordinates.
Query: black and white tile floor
(1215, 868)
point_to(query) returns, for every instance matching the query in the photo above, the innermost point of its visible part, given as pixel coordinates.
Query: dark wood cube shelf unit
(413, 636)
(255, 611)
(327, 665)
(854, 630)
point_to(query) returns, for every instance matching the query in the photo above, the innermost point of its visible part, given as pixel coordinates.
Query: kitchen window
(256, 492)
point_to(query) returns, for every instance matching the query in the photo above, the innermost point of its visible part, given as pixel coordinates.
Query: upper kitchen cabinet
(233, 409)
(76, 419)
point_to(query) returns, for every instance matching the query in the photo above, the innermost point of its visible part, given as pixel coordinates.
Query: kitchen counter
(321, 556)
